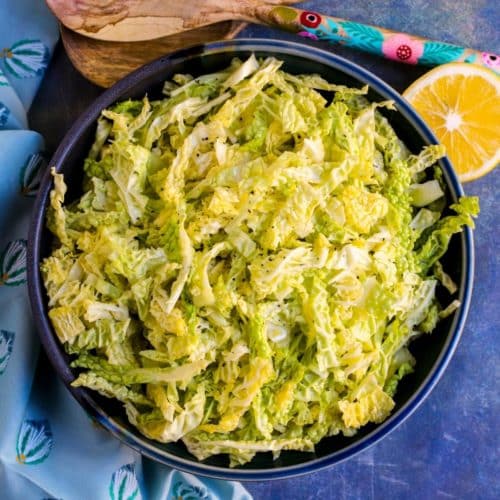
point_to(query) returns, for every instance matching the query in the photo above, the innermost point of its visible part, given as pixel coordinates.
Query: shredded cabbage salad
(249, 261)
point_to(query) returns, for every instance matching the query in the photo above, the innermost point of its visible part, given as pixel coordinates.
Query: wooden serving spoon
(138, 20)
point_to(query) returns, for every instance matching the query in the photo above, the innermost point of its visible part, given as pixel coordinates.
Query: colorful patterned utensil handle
(399, 47)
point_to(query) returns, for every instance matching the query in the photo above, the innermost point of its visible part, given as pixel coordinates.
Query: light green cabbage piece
(249, 262)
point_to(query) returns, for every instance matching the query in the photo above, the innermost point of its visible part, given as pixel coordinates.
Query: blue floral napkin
(49, 447)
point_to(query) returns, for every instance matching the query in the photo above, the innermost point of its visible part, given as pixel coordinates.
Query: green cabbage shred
(249, 261)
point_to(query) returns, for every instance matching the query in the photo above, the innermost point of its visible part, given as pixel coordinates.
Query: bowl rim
(55, 352)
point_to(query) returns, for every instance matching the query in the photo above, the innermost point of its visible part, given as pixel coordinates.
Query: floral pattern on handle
(389, 44)
(491, 60)
(403, 48)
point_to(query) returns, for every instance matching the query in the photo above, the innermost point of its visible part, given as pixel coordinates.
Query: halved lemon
(461, 103)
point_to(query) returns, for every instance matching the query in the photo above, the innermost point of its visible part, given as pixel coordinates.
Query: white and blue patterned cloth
(49, 447)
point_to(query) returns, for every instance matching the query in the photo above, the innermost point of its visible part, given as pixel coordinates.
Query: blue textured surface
(449, 448)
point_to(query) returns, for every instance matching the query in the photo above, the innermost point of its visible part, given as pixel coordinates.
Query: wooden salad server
(138, 20)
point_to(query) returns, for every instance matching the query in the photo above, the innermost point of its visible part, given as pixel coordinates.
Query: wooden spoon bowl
(104, 63)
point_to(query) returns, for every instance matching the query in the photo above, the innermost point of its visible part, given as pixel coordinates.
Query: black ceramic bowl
(433, 352)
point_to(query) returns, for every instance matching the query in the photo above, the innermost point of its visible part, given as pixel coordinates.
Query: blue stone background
(449, 448)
